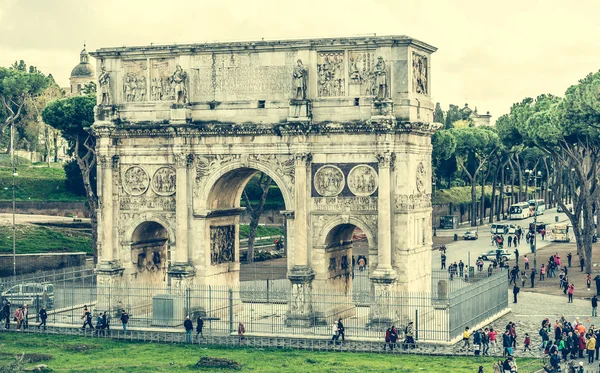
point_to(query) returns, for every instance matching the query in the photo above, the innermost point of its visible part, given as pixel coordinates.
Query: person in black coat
(516, 290)
(43, 316)
(341, 329)
(506, 344)
(6, 315)
(199, 326)
(189, 326)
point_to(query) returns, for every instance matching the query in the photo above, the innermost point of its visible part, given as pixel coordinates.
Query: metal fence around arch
(263, 306)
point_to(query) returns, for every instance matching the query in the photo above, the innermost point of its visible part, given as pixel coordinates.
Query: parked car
(30, 294)
(470, 235)
(491, 255)
(498, 228)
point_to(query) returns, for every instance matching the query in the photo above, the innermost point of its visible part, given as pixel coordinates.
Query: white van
(30, 294)
(497, 228)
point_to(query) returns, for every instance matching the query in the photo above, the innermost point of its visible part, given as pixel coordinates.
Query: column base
(108, 287)
(382, 315)
(181, 276)
(180, 114)
(300, 312)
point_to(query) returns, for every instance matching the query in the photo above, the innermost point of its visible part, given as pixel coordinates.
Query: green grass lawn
(100, 355)
(35, 184)
(37, 239)
(261, 231)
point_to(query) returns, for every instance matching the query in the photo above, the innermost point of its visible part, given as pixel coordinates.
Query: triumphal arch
(343, 126)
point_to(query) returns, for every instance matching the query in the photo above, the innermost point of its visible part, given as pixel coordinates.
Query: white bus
(558, 233)
(519, 211)
(541, 206)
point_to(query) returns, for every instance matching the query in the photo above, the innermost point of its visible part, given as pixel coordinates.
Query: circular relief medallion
(163, 181)
(421, 177)
(362, 180)
(136, 181)
(329, 181)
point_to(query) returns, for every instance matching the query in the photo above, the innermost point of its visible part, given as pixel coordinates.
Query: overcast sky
(489, 55)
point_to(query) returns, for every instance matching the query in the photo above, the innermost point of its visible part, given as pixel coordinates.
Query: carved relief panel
(360, 65)
(163, 181)
(345, 180)
(135, 181)
(134, 81)
(222, 244)
(420, 73)
(421, 177)
(331, 81)
(329, 181)
(161, 84)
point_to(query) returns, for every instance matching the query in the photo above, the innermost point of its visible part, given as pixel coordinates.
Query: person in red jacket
(581, 344)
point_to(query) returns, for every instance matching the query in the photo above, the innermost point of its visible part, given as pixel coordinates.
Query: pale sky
(489, 55)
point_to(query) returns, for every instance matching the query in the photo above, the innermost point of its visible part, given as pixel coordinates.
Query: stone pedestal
(180, 114)
(109, 293)
(300, 312)
(300, 111)
(382, 114)
(181, 276)
(382, 314)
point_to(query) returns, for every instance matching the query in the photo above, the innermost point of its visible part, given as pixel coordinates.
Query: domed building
(82, 74)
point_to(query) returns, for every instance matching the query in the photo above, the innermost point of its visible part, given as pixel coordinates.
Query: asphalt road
(462, 250)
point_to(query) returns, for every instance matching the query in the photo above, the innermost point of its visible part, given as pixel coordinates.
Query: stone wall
(29, 263)
(79, 209)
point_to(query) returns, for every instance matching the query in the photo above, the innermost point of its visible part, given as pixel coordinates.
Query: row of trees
(559, 137)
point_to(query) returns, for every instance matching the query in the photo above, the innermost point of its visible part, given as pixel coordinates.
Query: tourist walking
(506, 344)
(595, 306)
(476, 343)
(6, 313)
(340, 328)
(509, 241)
(492, 338)
(124, 319)
(532, 277)
(545, 338)
(43, 316)
(591, 348)
(526, 261)
(18, 317)
(485, 341)
(588, 281)
(461, 268)
(581, 262)
(199, 326)
(489, 270)
(517, 256)
(335, 333)
(527, 343)
(569, 258)
(87, 318)
(542, 272)
(523, 278)
(516, 290)
(409, 340)
(241, 331)
(187, 324)
(25, 311)
(466, 341)
(393, 337)
(571, 289)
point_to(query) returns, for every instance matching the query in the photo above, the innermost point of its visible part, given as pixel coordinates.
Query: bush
(74, 180)
(208, 362)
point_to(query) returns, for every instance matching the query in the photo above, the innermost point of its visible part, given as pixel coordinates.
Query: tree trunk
(501, 206)
(588, 221)
(473, 202)
(483, 179)
(86, 164)
(264, 183)
(493, 206)
(518, 164)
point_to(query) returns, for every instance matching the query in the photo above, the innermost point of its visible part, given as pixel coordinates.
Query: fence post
(187, 301)
(416, 324)
(267, 290)
(230, 310)
(37, 308)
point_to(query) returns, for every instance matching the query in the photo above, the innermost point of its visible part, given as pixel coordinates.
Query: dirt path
(6, 219)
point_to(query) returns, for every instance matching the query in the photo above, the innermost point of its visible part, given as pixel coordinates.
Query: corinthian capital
(302, 159)
(386, 159)
(180, 159)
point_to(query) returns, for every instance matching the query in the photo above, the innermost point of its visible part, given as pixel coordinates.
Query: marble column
(181, 269)
(300, 312)
(384, 277)
(384, 268)
(107, 209)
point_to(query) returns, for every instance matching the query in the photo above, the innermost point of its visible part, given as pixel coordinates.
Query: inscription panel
(138, 203)
(239, 76)
(344, 204)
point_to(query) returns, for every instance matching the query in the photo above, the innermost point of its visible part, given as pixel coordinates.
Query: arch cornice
(367, 223)
(144, 218)
(277, 167)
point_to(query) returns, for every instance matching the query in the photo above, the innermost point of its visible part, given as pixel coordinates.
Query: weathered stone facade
(342, 126)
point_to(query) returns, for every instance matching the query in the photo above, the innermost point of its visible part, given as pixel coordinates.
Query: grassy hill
(35, 183)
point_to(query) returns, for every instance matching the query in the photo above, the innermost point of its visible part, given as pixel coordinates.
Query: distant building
(81, 74)
(478, 119)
